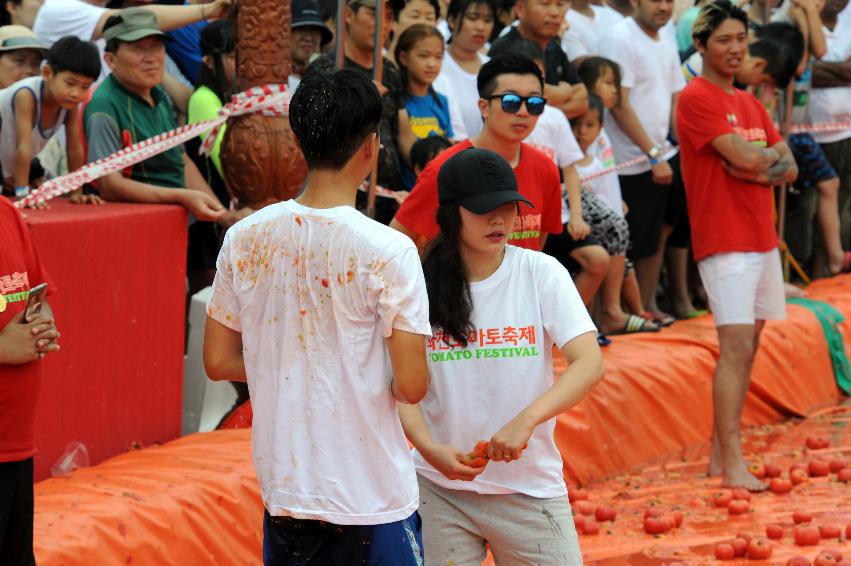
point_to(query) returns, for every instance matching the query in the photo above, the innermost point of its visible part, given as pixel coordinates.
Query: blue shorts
(813, 165)
(302, 542)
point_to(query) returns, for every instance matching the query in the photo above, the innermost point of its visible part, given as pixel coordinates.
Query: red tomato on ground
(724, 551)
(807, 536)
(722, 498)
(844, 475)
(741, 493)
(824, 560)
(772, 471)
(759, 549)
(799, 561)
(779, 486)
(837, 464)
(799, 517)
(830, 531)
(758, 470)
(678, 518)
(740, 545)
(799, 476)
(577, 494)
(819, 468)
(605, 513)
(738, 507)
(835, 552)
(655, 525)
(590, 527)
(774, 532)
(584, 507)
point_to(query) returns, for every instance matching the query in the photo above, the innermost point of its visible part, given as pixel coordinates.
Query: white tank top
(8, 135)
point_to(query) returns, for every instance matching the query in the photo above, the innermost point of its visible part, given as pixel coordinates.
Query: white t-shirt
(58, 18)
(314, 293)
(650, 68)
(460, 89)
(607, 187)
(553, 136)
(583, 36)
(519, 312)
(833, 104)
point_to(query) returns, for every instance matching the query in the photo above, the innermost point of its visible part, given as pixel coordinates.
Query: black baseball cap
(479, 180)
(306, 14)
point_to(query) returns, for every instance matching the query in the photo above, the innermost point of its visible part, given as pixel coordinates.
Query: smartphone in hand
(34, 301)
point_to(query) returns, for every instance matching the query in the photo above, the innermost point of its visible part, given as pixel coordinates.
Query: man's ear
(109, 58)
(47, 72)
(759, 64)
(484, 108)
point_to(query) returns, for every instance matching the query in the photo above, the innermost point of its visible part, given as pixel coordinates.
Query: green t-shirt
(116, 117)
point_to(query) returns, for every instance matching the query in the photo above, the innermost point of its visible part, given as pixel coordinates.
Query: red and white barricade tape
(821, 127)
(272, 100)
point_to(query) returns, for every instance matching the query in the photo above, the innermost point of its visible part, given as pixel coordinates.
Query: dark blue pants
(300, 542)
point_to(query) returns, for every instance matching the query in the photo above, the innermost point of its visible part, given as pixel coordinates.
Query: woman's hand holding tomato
(510, 441)
(451, 462)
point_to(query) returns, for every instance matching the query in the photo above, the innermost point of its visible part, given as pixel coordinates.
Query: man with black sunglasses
(511, 90)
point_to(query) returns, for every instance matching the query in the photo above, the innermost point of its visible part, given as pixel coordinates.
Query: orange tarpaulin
(195, 500)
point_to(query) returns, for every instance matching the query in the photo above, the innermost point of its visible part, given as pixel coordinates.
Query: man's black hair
(505, 64)
(788, 34)
(331, 114)
(426, 149)
(712, 15)
(328, 10)
(530, 49)
(399, 5)
(780, 59)
(74, 55)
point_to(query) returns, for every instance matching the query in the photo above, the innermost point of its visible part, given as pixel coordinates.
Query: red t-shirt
(537, 180)
(727, 214)
(20, 270)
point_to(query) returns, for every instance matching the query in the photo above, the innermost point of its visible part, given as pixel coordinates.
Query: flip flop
(634, 324)
(662, 322)
(697, 313)
(603, 340)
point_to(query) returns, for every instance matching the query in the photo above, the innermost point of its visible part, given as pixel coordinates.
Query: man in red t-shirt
(731, 158)
(22, 344)
(511, 90)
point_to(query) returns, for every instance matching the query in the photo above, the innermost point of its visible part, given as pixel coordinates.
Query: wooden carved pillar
(260, 160)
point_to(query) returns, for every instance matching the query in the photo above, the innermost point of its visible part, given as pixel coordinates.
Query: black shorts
(646, 201)
(813, 165)
(16, 513)
(676, 211)
(560, 246)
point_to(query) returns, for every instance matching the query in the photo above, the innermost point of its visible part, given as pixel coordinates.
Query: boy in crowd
(22, 344)
(732, 156)
(34, 109)
(327, 280)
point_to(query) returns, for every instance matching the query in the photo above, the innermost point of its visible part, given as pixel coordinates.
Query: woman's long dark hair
(450, 302)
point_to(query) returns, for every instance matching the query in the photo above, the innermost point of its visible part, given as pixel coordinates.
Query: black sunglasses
(511, 103)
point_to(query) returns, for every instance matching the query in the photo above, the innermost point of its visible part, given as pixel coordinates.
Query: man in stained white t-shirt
(651, 80)
(309, 298)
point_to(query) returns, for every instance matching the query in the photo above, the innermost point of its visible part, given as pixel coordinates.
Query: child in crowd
(488, 299)
(34, 109)
(419, 54)
(602, 205)
(602, 78)
(426, 149)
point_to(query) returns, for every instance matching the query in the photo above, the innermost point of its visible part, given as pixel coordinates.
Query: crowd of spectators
(612, 73)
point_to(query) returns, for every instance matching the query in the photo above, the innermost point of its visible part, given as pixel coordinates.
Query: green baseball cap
(136, 24)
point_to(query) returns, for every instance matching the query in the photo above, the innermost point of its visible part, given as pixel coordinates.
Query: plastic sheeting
(195, 500)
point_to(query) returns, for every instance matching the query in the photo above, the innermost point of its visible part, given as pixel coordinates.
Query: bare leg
(594, 261)
(612, 317)
(738, 346)
(648, 269)
(632, 294)
(828, 219)
(677, 264)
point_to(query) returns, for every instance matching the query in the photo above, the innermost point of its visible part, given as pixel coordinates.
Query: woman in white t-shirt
(496, 312)
(471, 22)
